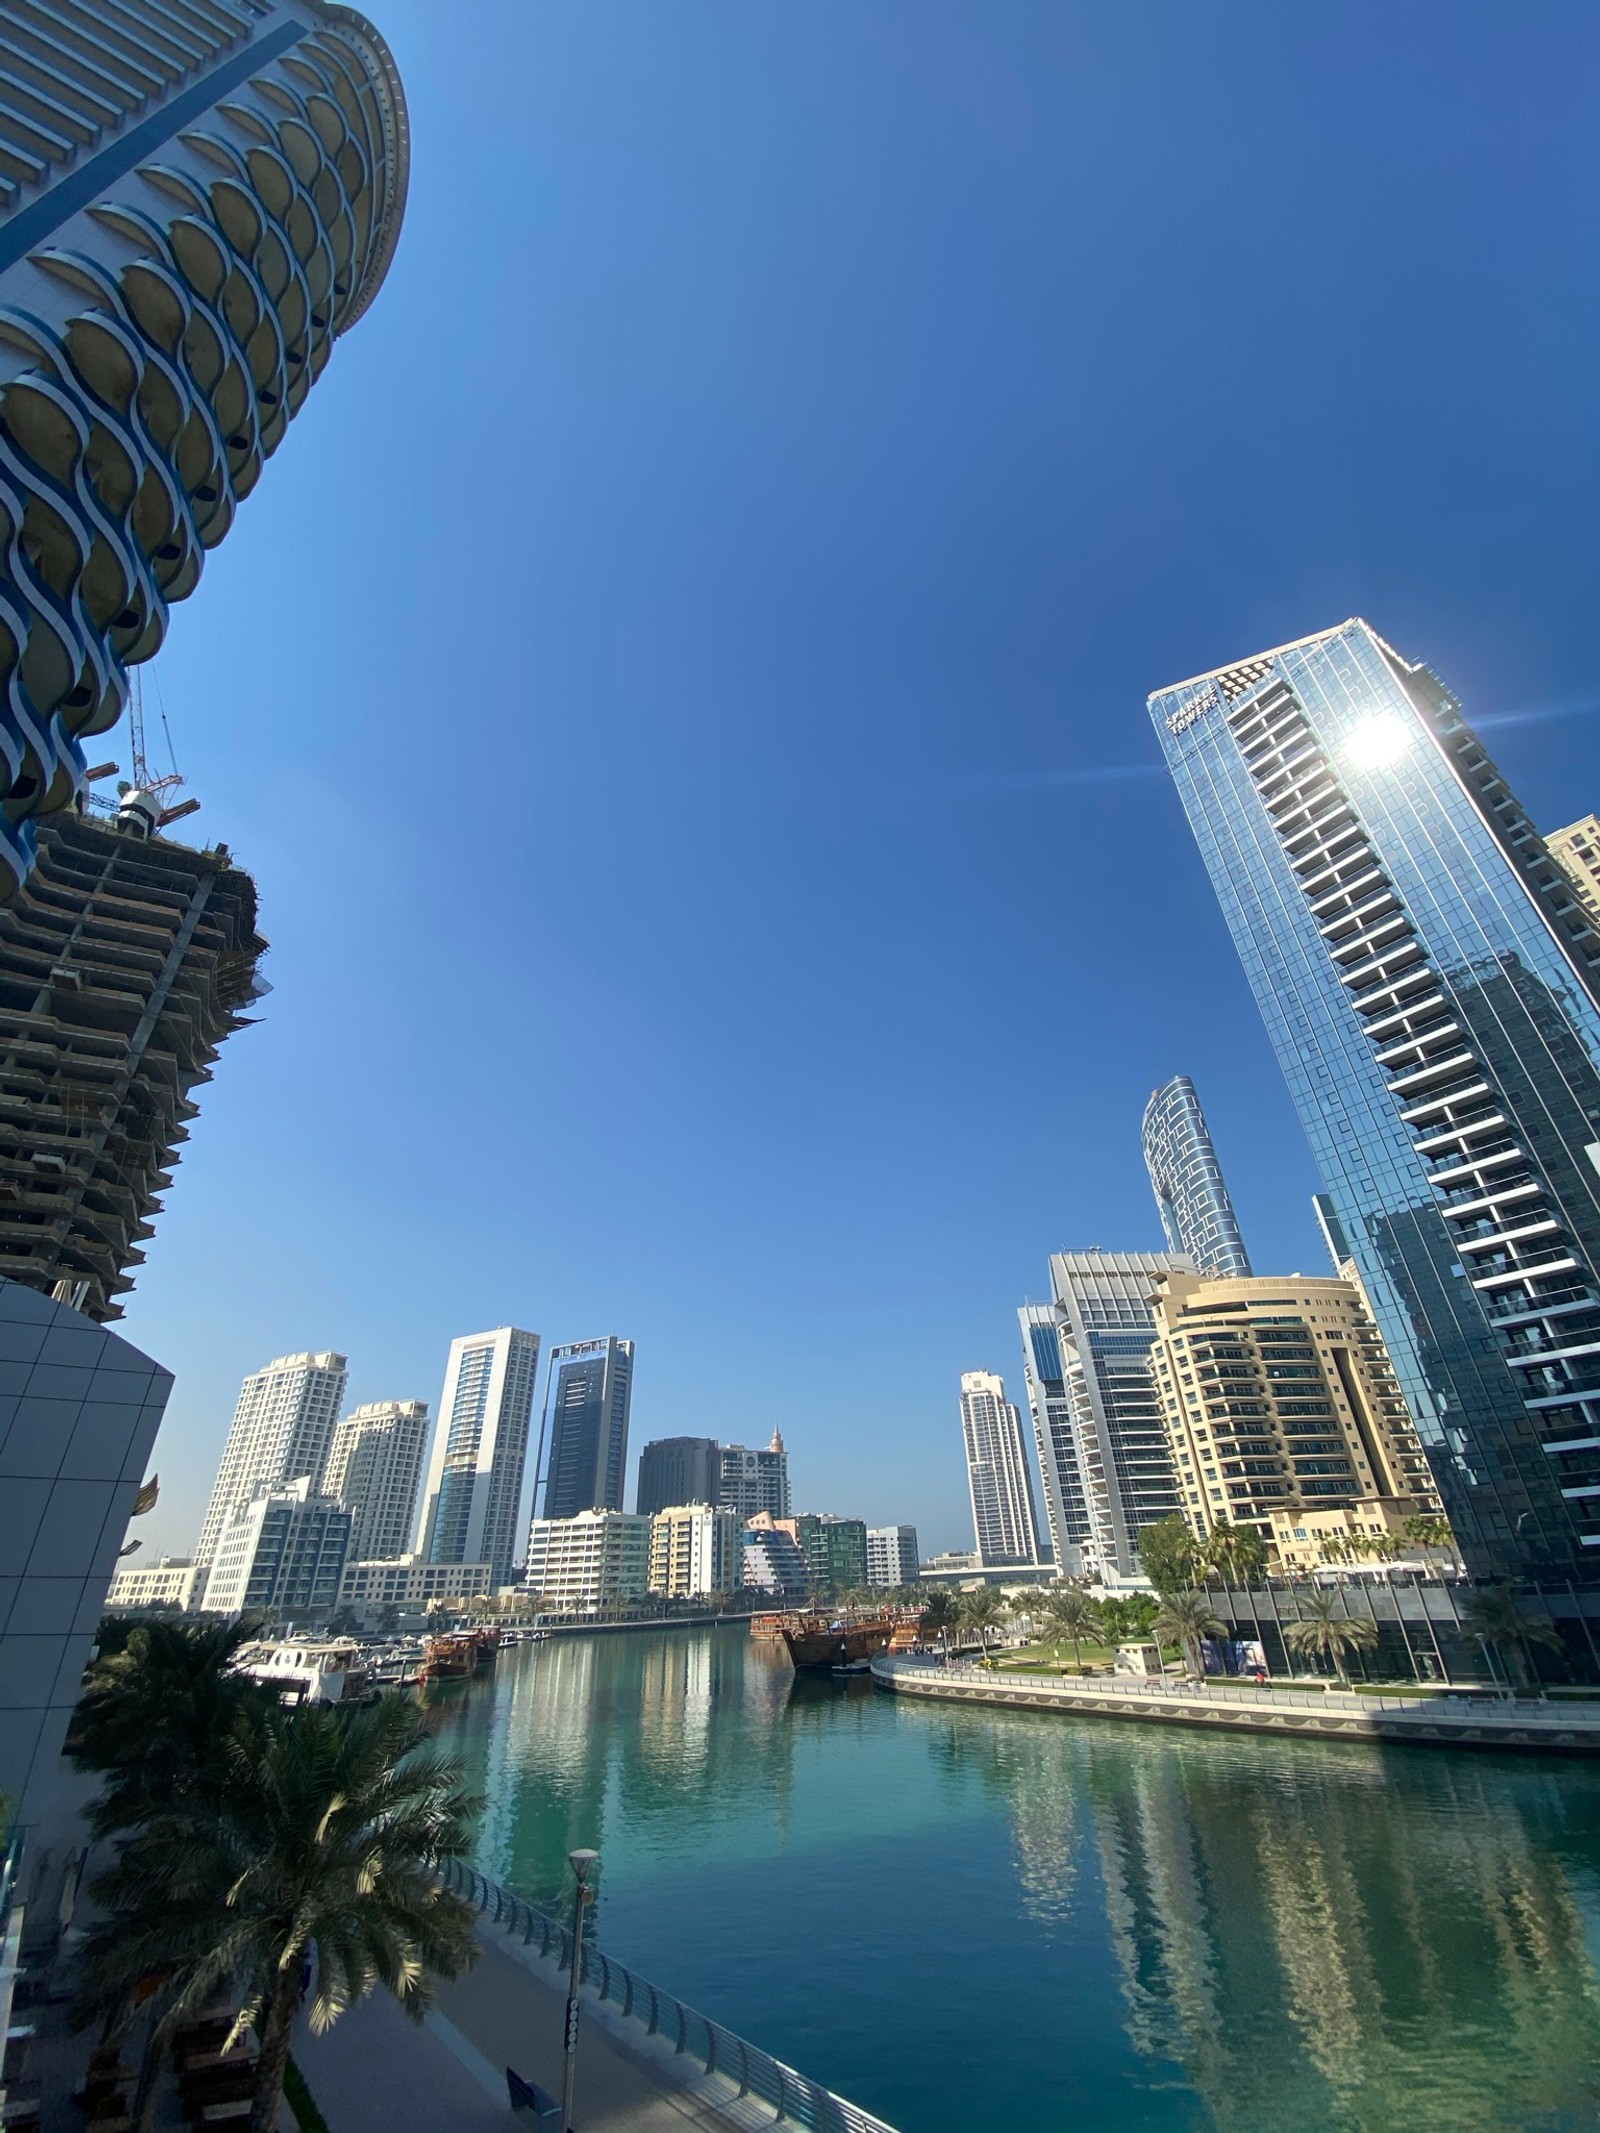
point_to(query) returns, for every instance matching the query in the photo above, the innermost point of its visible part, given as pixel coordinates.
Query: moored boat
(816, 1642)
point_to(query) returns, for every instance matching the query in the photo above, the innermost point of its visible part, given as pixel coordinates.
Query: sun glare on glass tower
(1428, 976)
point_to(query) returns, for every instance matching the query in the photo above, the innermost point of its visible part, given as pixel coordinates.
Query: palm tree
(1236, 1552)
(940, 1613)
(1430, 1532)
(982, 1610)
(1186, 1618)
(155, 1710)
(319, 1839)
(1072, 1614)
(1494, 1616)
(1325, 1631)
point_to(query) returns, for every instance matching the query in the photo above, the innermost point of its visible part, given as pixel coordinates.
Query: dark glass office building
(1429, 981)
(677, 1470)
(591, 1390)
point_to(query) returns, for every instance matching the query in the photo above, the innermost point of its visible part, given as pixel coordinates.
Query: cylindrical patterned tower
(196, 198)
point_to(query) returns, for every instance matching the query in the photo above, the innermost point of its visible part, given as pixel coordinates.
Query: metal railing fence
(796, 2099)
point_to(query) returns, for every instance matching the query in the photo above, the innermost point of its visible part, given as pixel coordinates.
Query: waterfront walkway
(375, 2070)
(1525, 1724)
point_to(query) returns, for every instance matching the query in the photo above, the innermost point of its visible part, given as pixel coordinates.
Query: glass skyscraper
(1097, 1417)
(1187, 1180)
(1428, 977)
(590, 1395)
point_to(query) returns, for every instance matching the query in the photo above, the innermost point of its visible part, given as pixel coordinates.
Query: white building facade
(169, 1581)
(375, 1470)
(480, 1451)
(586, 1564)
(892, 1556)
(695, 1549)
(998, 1481)
(408, 1582)
(282, 1431)
(283, 1553)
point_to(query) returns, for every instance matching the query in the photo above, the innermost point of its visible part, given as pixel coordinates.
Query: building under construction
(125, 960)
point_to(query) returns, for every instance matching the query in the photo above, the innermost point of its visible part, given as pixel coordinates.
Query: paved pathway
(377, 2072)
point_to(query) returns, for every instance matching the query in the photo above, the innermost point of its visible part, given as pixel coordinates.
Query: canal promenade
(1523, 1724)
(376, 2070)
(981, 1917)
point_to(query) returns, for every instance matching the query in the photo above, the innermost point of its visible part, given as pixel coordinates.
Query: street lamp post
(580, 1862)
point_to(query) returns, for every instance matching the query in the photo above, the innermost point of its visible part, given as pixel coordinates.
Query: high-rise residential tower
(1283, 1414)
(1187, 1180)
(196, 199)
(375, 1469)
(677, 1470)
(587, 1406)
(1004, 1527)
(480, 1451)
(756, 1478)
(1576, 850)
(1097, 1419)
(126, 959)
(1428, 977)
(282, 1431)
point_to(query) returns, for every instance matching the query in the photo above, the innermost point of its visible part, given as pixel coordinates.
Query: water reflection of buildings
(1419, 1944)
(594, 1736)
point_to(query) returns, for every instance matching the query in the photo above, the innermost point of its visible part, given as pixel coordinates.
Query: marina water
(1023, 1922)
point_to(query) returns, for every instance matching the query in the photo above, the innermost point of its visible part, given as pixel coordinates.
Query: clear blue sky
(681, 684)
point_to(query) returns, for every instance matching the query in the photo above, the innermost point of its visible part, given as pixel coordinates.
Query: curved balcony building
(196, 198)
(1187, 1180)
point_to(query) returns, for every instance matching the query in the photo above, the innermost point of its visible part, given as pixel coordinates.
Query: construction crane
(144, 779)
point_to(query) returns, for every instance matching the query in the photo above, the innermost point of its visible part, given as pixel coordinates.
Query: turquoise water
(1022, 1922)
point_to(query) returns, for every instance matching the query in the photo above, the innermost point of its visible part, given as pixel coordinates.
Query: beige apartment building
(1283, 1413)
(1576, 850)
(695, 1550)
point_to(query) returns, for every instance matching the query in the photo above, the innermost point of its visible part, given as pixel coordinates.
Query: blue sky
(680, 686)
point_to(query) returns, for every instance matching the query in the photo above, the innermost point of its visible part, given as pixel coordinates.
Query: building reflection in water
(1428, 1944)
(587, 1737)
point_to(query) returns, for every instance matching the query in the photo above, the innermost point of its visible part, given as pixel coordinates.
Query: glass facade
(1097, 1417)
(590, 1397)
(1186, 1178)
(1428, 979)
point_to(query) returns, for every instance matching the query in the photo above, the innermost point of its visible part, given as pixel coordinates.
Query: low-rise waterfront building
(694, 1551)
(167, 1582)
(1284, 1414)
(774, 1560)
(891, 1556)
(835, 1549)
(408, 1581)
(281, 1554)
(589, 1563)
